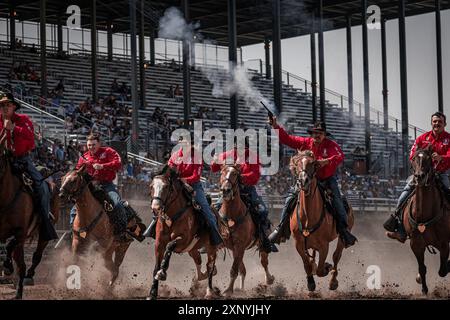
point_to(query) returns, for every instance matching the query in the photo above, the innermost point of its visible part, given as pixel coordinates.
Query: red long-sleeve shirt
(250, 172)
(327, 149)
(106, 156)
(440, 145)
(23, 134)
(188, 170)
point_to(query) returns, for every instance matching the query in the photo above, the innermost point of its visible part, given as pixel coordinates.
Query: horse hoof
(425, 291)
(334, 285)
(419, 279)
(212, 294)
(8, 268)
(161, 275)
(311, 284)
(328, 268)
(228, 293)
(270, 280)
(442, 274)
(28, 281)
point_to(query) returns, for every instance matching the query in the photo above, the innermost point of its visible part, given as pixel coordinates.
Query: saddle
(326, 195)
(120, 220)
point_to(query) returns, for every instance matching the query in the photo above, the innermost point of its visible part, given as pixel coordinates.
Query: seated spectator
(170, 92)
(59, 89)
(178, 93)
(115, 87)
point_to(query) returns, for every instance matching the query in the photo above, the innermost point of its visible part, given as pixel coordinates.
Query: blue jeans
(42, 197)
(111, 189)
(408, 189)
(292, 194)
(43, 192)
(200, 198)
(338, 204)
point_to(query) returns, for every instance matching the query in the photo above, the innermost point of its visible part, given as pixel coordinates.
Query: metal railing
(302, 85)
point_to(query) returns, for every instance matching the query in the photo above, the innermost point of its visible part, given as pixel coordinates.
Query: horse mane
(293, 164)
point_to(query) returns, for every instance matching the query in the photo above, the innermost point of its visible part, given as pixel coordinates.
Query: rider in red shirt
(250, 174)
(439, 139)
(329, 156)
(190, 172)
(20, 142)
(102, 164)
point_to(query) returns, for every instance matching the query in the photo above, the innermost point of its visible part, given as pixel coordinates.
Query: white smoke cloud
(173, 26)
(225, 82)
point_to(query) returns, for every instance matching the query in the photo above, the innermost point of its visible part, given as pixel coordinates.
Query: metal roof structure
(254, 17)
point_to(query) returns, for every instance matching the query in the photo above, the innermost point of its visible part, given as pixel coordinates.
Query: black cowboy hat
(6, 97)
(319, 126)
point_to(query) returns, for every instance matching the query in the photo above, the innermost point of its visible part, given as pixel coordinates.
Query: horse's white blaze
(157, 190)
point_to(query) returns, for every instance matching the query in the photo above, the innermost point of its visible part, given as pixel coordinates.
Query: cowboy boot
(392, 223)
(400, 233)
(150, 232)
(347, 238)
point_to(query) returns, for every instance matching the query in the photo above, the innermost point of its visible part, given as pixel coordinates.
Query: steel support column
(403, 87)
(276, 55)
(186, 69)
(384, 71)
(366, 84)
(232, 57)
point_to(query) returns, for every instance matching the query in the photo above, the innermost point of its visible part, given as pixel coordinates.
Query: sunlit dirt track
(396, 262)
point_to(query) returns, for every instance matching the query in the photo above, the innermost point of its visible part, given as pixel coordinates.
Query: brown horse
(311, 224)
(19, 221)
(426, 216)
(92, 223)
(178, 230)
(241, 228)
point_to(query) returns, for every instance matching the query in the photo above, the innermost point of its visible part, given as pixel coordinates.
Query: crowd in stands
(22, 70)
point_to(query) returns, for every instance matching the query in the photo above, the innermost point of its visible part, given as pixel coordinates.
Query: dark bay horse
(92, 223)
(241, 228)
(312, 226)
(19, 221)
(177, 230)
(426, 216)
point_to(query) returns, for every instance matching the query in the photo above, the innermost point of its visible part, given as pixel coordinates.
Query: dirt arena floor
(396, 262)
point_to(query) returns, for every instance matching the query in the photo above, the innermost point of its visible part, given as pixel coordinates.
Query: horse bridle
(81, 185)
(429, 172)
(164, 202)
(310, 176)
(234, 185)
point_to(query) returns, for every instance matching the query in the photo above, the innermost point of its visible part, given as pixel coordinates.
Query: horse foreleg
(242, 274)
(109, 263)
(308, 265)
(159, 252)
(161, 275)
(195, 255)
(237, 260)
(211, 291)
(419, 252)
(8, 266)
(444, 252)
(264, 258)
(19, 258)
(119, 255)
(334, 283)
(37, 257)
(323, 268)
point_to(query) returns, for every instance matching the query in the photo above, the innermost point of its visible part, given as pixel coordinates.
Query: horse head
(304, 167)
(74, 183)
(163, 189)
(229, 181)
(422, 164)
